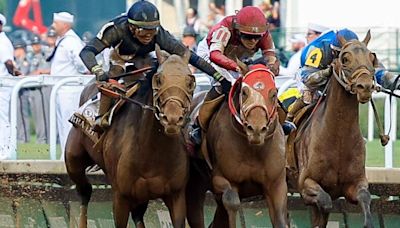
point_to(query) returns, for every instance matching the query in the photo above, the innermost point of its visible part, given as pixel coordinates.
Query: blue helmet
(346, 34)
(144, 15)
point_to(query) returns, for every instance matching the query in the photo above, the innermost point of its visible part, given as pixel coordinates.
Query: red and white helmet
(251, 20)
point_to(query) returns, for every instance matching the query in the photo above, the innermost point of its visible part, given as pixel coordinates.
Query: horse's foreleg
(319, 217)
(196, 189)
(276, 196)
(121, 210)
(176, 204)
(313, 193)
(230, 197)
(221, 217)
(137, 214)
(76, 161)
(359, 193)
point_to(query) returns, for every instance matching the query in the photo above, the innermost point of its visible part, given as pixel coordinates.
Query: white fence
(57, 82)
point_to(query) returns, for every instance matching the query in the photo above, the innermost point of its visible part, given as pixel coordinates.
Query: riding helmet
(144, 15)
(346, 34)
(251, 20)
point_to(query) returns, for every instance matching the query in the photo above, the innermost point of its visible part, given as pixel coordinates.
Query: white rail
(59, 81)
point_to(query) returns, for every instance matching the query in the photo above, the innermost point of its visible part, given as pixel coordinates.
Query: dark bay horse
(143, 152)
(246, 151)
(330, 151)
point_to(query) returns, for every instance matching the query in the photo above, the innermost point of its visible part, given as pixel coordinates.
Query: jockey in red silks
(238, 36)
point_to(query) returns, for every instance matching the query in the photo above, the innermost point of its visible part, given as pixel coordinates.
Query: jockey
(238, 36)
(133, 36)
(315, 70)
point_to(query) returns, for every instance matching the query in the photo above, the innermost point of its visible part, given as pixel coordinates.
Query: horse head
(257, 101)
(173, 87)
(356, 66)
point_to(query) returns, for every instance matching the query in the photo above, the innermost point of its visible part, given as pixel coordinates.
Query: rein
(348, 85)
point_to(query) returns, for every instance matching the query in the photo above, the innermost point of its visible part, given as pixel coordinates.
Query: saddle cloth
(84, 117)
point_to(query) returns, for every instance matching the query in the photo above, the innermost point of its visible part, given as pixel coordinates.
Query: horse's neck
(341, 107)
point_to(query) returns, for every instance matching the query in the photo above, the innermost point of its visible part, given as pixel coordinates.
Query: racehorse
(330, 149)
(246, 150)
(143, 154)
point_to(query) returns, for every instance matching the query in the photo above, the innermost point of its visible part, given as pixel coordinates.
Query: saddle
(84, 117)
(291, 155)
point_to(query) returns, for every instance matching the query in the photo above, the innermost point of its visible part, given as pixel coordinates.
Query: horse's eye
(346, 59)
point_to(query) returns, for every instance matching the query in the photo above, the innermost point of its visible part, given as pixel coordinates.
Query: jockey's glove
(391, 81)
(101, 75)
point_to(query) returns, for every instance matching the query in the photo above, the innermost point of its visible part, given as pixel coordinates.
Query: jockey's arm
(168, 43)
(107, 37)
(313, 77)
(385, 78)
(219, 40)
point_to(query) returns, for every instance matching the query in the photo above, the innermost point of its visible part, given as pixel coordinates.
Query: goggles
(147, 32)
(250, 36)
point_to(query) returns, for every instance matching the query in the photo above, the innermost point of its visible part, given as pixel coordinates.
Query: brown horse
(330, 150)
(143, 152)
(246, 151)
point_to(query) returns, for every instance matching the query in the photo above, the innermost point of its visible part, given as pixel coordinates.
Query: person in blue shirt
(315, 70)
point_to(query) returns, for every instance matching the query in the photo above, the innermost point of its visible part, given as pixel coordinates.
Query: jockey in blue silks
(316, 59)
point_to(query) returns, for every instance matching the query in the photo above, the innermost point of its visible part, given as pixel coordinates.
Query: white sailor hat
(64, 17)
(317, 28)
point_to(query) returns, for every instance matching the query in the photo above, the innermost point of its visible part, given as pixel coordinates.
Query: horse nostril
(164, 119)
(180, 120)
(250, 128)
(264, 129)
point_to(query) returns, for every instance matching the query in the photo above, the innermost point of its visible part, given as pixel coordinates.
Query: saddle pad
(84, 117)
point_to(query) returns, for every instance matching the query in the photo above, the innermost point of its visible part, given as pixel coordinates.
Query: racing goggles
(246, 36)
(147, 32)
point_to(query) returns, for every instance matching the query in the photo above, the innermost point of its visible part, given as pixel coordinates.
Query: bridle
(246, 108)
(158, 91)
(348, 82)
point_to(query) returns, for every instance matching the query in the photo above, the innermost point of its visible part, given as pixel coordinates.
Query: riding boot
(288, 126)
(213, 98)
(101, 121)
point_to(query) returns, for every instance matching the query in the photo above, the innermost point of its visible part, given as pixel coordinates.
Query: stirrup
(288, 127)
(195, 135)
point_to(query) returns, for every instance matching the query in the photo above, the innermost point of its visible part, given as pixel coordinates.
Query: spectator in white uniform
(298, 41)
(7, 68)
(65, 61)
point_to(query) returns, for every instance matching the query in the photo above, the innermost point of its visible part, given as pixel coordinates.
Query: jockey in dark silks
(131, 37)
(316, 69)
(238, 36)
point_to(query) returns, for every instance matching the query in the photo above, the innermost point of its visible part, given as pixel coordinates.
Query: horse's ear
(342, 40)
(243, 67)
(160, 57)
(186, 56)
(367, 37)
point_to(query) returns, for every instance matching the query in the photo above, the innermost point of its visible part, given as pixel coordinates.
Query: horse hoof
(324, 201)
(231, 200)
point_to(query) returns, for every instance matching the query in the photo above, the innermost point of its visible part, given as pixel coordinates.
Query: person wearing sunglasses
(132, 37)
(237, 36)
